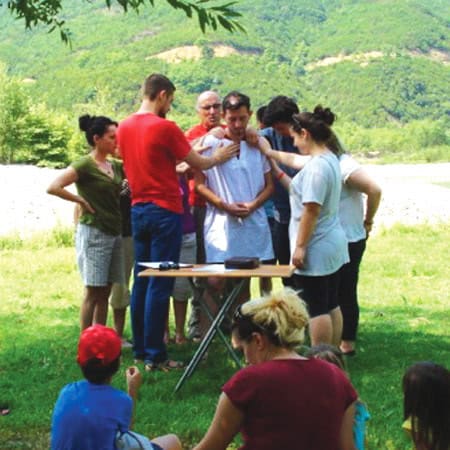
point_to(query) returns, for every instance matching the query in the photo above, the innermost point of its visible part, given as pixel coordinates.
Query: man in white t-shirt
(236, 223)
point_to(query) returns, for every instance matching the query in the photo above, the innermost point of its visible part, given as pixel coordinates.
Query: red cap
(99, 342)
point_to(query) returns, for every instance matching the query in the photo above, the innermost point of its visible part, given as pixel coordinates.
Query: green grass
(404, 297)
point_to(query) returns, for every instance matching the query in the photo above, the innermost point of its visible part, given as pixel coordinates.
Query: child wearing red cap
(92, 415)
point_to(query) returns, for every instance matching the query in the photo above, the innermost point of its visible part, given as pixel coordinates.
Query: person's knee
(97, 294)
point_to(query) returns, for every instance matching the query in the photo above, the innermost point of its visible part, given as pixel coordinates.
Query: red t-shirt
(193, 133)
(291, 404)
(150, 147)
(197, 131)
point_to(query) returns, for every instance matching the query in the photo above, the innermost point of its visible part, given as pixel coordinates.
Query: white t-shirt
(351, 207)
(319, 182)
(237, 180)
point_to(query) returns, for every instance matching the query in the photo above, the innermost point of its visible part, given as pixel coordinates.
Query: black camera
(167, 265)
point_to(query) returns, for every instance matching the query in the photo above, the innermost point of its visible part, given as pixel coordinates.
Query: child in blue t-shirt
(334, 356)
(90, 414)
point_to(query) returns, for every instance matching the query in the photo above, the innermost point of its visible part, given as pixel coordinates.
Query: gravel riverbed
(412, 194)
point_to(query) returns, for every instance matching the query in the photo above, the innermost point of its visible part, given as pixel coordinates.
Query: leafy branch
(45, 12)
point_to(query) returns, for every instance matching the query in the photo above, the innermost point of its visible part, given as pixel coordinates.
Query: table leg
(207, 311)
(206, 341)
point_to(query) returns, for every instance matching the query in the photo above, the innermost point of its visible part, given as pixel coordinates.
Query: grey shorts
(182, 290)
(99, 256)
(120, 293)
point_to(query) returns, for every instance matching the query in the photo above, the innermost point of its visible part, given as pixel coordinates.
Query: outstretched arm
(280, 175)
(361, 181)
(220, 155)
(289, 159)
(225, 425)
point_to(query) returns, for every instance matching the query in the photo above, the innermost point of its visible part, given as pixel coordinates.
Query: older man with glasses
(209, 108)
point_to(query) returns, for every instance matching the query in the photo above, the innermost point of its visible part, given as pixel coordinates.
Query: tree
(14, 106)
(46, 12)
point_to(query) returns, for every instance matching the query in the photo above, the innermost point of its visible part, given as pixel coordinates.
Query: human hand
(250, 206)
(134, 380)
(224, 153)
(251, 136)
(199, 147)
(368, 227)
(217, 132)
(298, 257)
(236, 209)
(85, 206)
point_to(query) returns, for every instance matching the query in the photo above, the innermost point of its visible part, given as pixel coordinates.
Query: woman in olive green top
(98, 180)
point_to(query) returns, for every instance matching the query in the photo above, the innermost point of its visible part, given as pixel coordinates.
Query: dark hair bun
(85, 122)
(324, 114)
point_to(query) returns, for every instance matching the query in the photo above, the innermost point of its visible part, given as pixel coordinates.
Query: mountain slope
(282, 52)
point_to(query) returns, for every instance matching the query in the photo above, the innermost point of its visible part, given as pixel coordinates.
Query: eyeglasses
(208, 107)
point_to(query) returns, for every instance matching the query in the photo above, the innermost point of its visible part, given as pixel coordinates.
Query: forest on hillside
(382, 66)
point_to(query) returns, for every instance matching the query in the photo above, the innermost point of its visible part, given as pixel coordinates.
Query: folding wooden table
(217, 270)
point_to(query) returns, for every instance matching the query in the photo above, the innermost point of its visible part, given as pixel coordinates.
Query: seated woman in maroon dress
(281, 400)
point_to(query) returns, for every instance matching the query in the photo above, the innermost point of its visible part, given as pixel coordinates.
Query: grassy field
(404, 294)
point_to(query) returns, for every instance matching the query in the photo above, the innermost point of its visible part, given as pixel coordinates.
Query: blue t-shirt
(319, 182)
(87, 416)
(280, 197)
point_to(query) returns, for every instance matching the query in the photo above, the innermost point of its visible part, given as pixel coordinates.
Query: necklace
(104, 166)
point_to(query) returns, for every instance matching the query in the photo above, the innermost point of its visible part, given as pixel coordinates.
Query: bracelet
(280, 175)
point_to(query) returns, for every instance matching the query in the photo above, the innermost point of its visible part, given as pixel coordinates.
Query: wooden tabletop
(265, 270)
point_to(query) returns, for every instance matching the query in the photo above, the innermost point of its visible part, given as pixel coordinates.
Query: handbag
(129, 440)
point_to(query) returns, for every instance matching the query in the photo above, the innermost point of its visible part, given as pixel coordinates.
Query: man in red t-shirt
(150, 147)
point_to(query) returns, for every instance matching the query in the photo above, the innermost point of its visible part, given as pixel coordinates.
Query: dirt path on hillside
(412, 194)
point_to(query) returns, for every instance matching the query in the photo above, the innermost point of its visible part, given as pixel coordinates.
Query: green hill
(377, 64)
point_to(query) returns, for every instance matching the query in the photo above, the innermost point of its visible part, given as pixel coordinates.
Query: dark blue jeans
(156, 237)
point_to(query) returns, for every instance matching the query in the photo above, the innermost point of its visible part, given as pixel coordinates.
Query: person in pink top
(151, 147)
